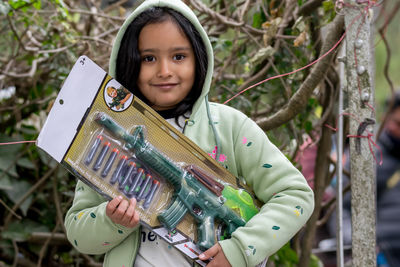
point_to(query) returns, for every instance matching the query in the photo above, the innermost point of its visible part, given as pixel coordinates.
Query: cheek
(144, 77)
(189, 73)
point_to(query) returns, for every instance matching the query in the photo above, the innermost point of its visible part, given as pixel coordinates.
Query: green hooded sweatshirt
(243, 148)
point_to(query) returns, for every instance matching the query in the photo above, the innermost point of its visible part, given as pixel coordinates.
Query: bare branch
(299, 99)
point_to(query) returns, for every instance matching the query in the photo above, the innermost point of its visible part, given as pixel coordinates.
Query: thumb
(209, 253)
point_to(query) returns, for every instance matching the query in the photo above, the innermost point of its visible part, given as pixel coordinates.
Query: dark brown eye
(148, 59)
(179, 57)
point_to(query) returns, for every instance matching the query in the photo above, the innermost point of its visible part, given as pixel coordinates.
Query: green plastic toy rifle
(195, 192)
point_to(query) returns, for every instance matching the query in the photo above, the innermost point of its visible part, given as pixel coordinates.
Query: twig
(244, 10)
(10, 210)
(387, 64)
(309, 7)
(90, 261)
(220, 18)
(46, 244)
(96, 40)
(16, 252)
(14, 30)
(117, 4)
(41, 237)
(30, 73)
(29, 103)
(57, 203)
(287, 88)
(261, 74)
(85, 12)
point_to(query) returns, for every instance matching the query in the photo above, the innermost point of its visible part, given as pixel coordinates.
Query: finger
(209, 253)
(130, 211)
(135, 220)
(132, 207)
(121, 209)
(112, 205)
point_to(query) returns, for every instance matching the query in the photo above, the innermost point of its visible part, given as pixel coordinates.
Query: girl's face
(167, 69)
(112, 92)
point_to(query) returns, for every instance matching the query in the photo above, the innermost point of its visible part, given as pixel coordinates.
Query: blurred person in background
(388, 186)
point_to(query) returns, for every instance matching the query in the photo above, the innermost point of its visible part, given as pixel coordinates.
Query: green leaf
(46, 159)
(308, 126)
(8, 166)
(22, 230)
(37, 4)
(19, 188)
(328, 5)
(26, 163)
(9, 150)
(286, 256)
(261, 55)
(67, 258)
(315, 261)
(5, 183)
(15, 232)
(257, 20)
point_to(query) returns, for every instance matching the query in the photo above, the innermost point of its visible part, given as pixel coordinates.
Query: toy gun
(195, 192)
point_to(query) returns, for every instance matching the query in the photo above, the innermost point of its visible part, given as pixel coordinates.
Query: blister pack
(119, 146)
(107, 158)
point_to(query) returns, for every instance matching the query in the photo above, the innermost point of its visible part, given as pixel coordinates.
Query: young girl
(163, 55)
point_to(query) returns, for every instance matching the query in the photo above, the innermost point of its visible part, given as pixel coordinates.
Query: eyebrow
(175, 49)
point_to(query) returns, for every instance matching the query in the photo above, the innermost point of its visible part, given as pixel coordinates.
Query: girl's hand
(123, 212)
(216, 256)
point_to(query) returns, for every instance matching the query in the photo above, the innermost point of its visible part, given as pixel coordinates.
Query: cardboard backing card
(116, 144)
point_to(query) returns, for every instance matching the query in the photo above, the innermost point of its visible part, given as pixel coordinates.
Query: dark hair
(128, 60)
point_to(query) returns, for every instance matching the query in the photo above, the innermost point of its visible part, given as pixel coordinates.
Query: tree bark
(361, 95)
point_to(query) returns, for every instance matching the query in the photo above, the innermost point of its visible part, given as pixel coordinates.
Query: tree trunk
(361, 110)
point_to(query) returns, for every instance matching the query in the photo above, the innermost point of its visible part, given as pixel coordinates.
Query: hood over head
(184, 10)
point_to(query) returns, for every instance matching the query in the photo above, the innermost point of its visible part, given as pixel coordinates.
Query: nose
(164, 70)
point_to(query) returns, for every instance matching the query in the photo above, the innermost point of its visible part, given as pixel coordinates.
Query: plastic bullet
(136, 180)
(118, 170)
(110, 162)
(101, 156)
(143, 187)
(93, 149)
(131, 170)
(151, 194)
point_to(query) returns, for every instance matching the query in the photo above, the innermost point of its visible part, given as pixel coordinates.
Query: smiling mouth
(165, 85)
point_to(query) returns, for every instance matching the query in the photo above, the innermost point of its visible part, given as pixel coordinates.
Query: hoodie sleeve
(88, 227)
(289, 201)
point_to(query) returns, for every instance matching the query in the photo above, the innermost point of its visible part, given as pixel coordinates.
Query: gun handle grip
(205, 233)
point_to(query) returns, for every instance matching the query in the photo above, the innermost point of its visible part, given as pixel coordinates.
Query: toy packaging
(116, 144)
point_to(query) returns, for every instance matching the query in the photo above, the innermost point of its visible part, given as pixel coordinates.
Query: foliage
(253, 40)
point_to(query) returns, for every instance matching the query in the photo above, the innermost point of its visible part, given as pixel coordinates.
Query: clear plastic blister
(135, 168)
(118, 145)
(109, 158)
